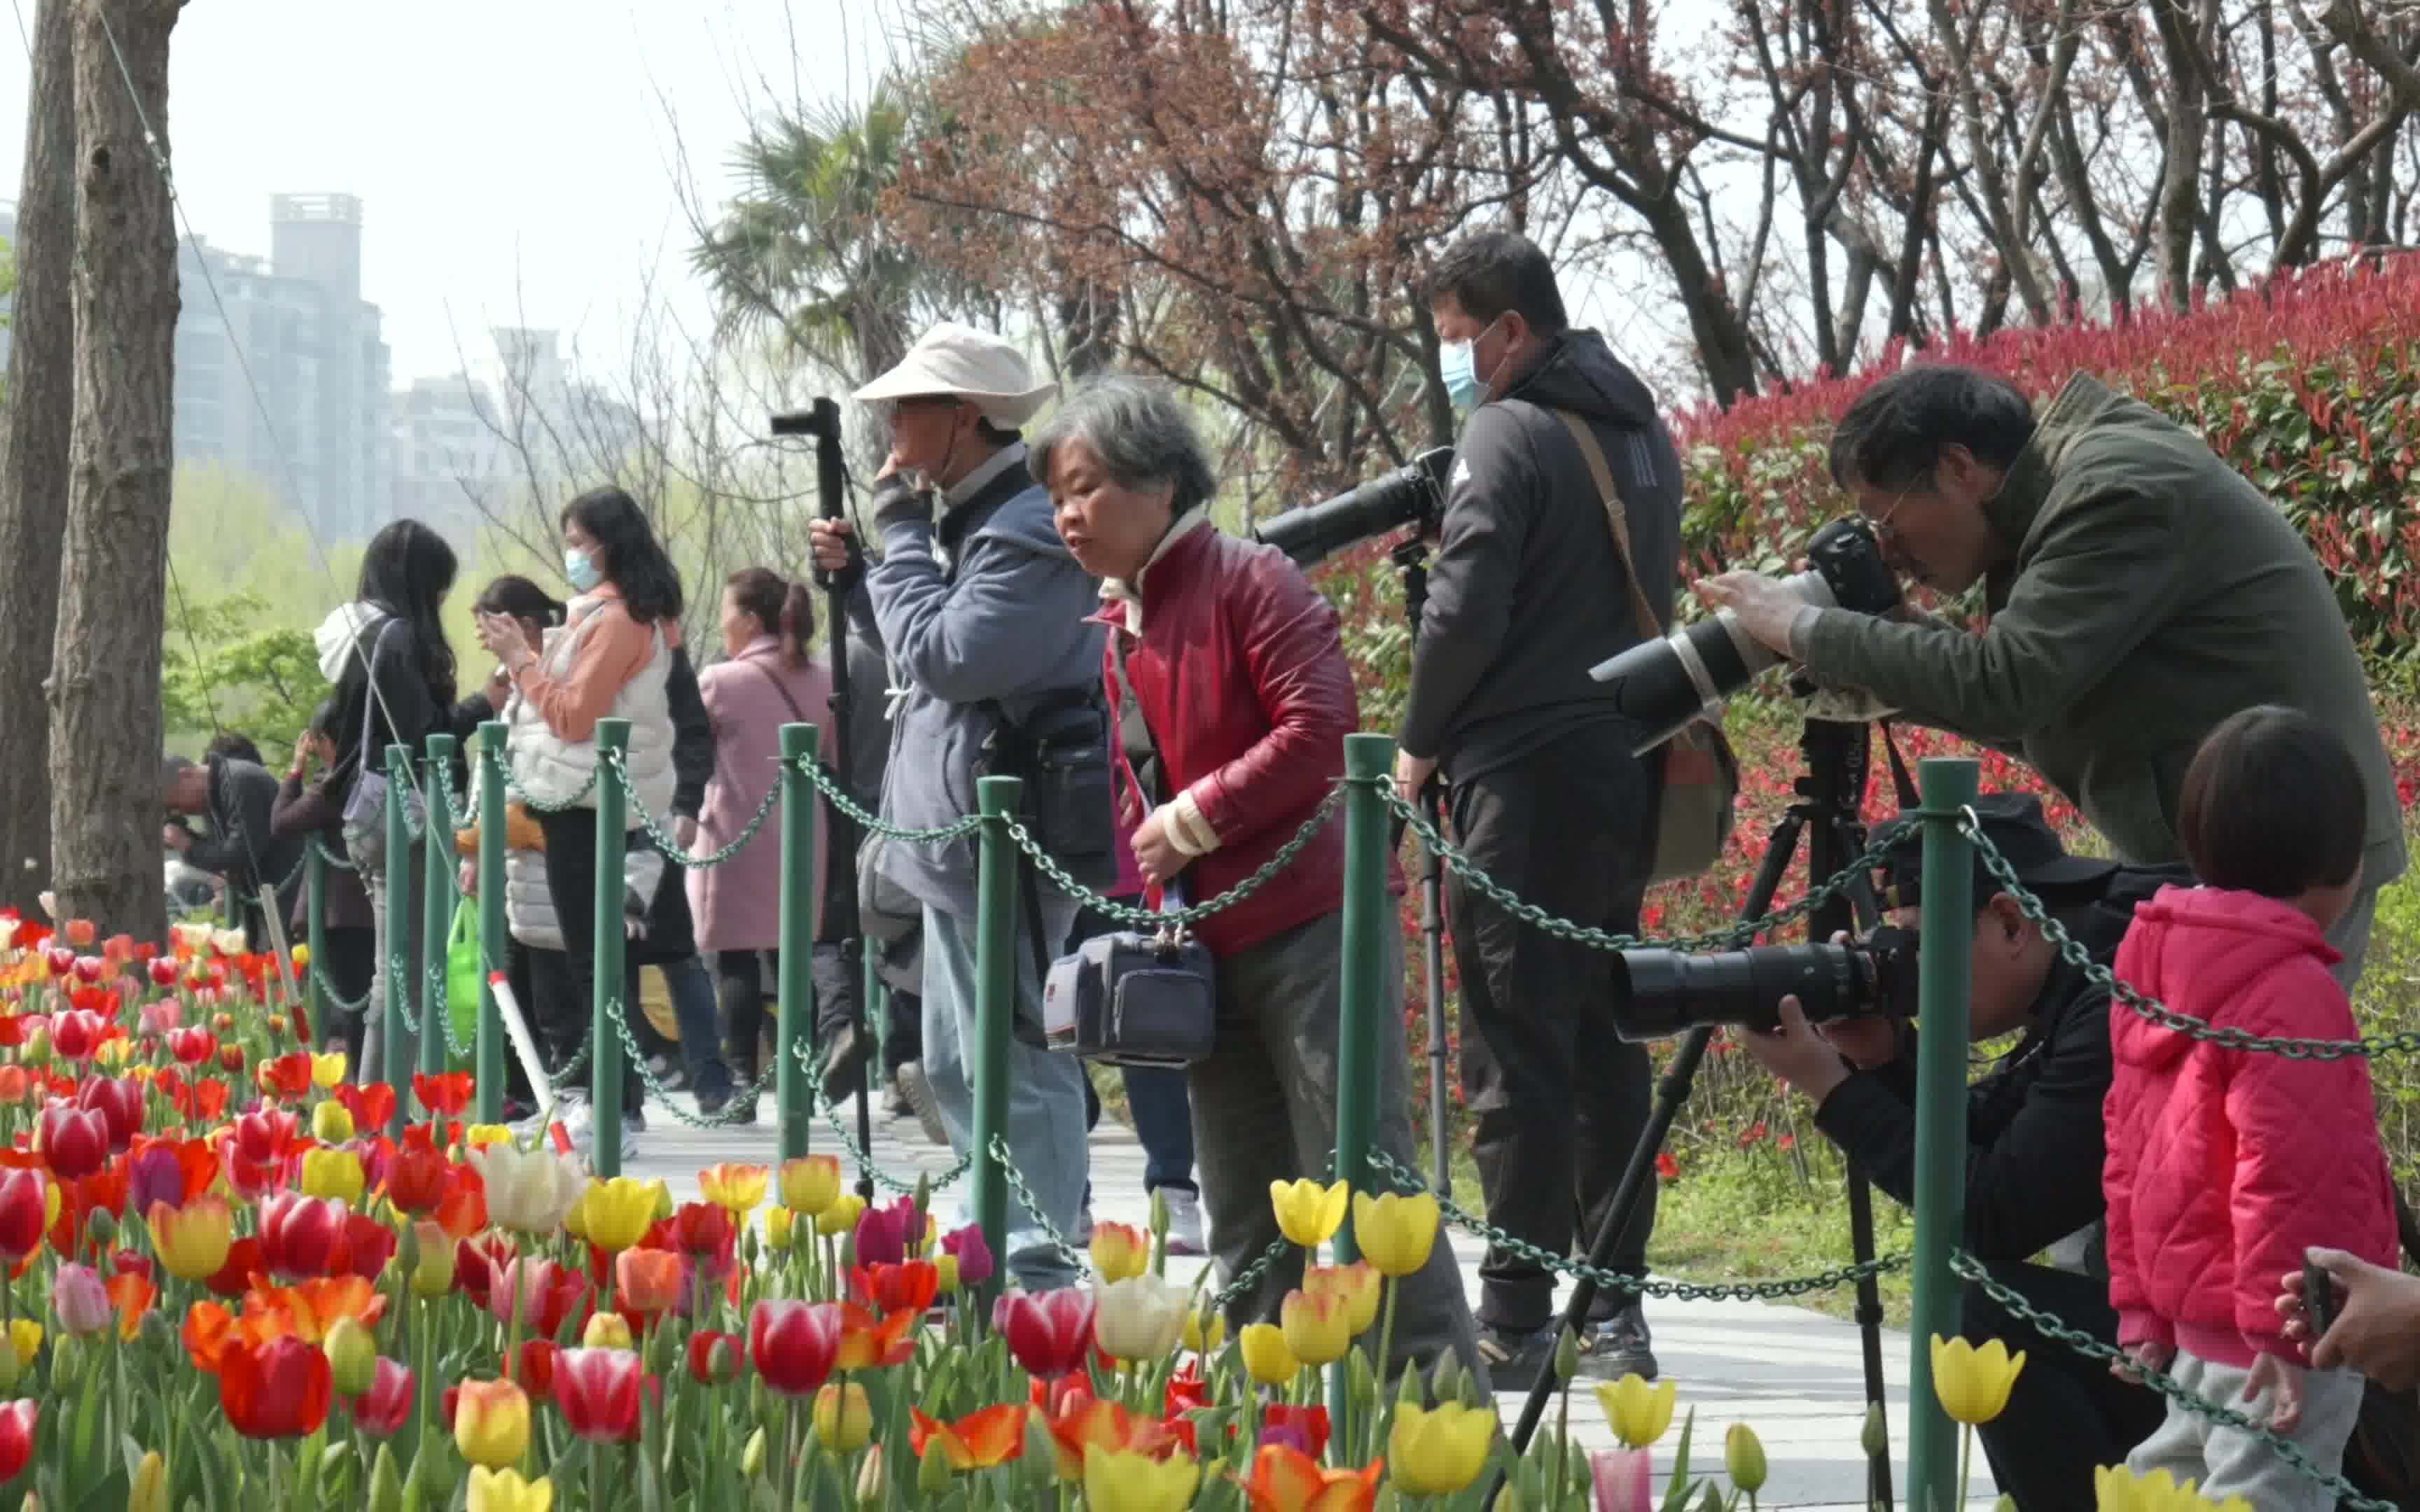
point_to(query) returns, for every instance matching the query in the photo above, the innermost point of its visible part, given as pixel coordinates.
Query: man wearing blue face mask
(1530, 589)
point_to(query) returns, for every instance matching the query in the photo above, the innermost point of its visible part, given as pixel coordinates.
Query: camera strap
(1616, 513)
(1899, 777)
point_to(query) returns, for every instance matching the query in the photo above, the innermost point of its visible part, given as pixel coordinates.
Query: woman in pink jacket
(767, 681)
(2225, 1165)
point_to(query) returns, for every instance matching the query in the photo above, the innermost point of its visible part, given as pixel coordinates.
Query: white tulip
(528, 1191)
(1140, 1318)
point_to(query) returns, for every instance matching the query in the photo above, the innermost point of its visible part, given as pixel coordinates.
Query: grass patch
(1721, 1223)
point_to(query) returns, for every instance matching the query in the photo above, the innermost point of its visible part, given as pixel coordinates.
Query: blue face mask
(580, 570)
(1458, 365)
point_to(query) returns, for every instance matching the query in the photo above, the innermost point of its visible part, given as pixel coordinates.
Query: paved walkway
(1792, 1374)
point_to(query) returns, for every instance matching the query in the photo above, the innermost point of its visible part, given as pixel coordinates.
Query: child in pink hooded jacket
(2225, 1164)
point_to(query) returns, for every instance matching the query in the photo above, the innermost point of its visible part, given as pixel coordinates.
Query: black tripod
(1830, 795)
(822, 422)
(1411, 558)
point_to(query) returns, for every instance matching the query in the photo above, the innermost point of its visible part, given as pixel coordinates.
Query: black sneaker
(1517, 1359)
(1619, 1345)
(710, 1103)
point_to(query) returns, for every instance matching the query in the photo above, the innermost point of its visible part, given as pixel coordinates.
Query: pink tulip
(78, 1298)
(1624, 1480)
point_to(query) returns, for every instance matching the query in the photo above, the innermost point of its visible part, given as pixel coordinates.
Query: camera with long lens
(1412, 494)
(1662, 684)
(1666, 993)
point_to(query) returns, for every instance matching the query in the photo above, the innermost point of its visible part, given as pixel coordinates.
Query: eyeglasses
(1883, 529)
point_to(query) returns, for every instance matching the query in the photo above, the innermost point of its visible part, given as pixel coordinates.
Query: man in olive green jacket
(2139, 592)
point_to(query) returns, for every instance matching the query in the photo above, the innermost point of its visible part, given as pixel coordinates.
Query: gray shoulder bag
(364, 826)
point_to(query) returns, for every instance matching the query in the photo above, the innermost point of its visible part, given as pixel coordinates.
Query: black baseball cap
(2014, 824)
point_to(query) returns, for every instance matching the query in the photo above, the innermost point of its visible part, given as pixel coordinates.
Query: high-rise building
(280, 369)
(519, 425)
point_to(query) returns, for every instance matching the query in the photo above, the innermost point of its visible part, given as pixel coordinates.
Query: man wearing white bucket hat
(982, 613)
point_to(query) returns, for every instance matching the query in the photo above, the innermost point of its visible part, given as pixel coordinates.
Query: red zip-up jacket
(1240, 672)
(2224, 1165)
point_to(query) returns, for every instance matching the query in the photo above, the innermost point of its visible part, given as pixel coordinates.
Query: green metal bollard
(995, 1013)
(493, 929)
(875, 995)
(436, 910)
(794, 1034)
(1946, 952)
(605, 1023)
(1368, 759)
(314, 936)
(397, 984)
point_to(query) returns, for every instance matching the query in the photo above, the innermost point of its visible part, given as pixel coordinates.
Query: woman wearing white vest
(613, 657)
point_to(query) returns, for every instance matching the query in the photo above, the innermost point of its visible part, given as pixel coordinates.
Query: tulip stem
(790, 1451)
(1386, 1362)
(1965, 1463)
(597, 1480)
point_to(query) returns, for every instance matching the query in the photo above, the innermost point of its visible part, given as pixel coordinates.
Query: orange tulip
(1087, 1423)
(978, 1440)
(866, 1339)
(308, 1309)
(1284, 1479)
(648, 1280)
(209, 1330)
(132, 1294)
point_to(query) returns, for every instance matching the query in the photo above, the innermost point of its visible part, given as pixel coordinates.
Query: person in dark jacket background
(307, 813)
(1528, 591)
(2034, 1139)
(237, 798)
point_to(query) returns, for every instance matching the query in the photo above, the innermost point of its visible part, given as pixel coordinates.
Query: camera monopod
(822, 421)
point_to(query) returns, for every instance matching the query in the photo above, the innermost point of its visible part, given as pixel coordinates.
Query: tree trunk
(105, 726)
(34, 457)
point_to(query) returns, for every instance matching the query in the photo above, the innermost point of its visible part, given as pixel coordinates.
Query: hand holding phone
(2318, 1298)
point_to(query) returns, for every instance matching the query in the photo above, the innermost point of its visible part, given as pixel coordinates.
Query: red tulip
(300, 1236)
(163, 971)
(118, 1101)
(891, 1288)
(16, 1422)
(387, 1405)
(60, 960)
(190, 1046)
(262, 1136)
(534, 1374)
(546, 1292)
(1050, 1335)
(445, 1095)
(77, 1032)
(244, 1257)
(598, 1393)
(23, 1200)
(75, 1141)
(713, 1358)
(793, 1344)
(417, 1179)
(231, 1057)
(367, 1245)
(279, 1390)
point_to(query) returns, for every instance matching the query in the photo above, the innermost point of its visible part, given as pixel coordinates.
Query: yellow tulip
(434, 1276)
(504, 1490)
(26, 1337)
(1394, 1232)
(811, 1183)
(840, 1217)
(1121, 1480)
(1314, 1324)
(617, 1212)
(480, 1135)
(1637, 1413)
(351, 1350)
(1972, 1384)
(1744, 1459)
(1199, 1342)
(1438, 1452)
(491, 1425)
(2116, 1489)
(327, 1071)
(331, 1122)
(606, 1331)
(1308, 1213)
(844, 1417)
(149, 1489)
(733, 1186)
(192, 1241)
(334, 1173)
(1265, 1355)
(780, 1227)
(301, 953)
(945, 1266)
(1358, 1285)
(113, 1051)
(1120, 1251)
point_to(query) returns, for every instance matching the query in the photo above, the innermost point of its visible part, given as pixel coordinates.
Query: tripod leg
(1870, 1325)
(1671, 1091)
(1433, 952)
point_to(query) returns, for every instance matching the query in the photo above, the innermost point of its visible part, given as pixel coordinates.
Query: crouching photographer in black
(2033, 1132)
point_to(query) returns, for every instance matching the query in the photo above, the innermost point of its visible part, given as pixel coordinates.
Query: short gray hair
(1138, 429)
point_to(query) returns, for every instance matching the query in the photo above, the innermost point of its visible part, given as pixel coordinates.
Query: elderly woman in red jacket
(1234, 697)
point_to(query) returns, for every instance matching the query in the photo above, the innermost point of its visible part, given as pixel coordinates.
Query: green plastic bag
(464, 972)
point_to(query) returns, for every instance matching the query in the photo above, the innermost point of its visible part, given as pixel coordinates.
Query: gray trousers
(407, 940)
(2351, 936)
(1265, 1110)
(2229, 1463)
(1045, 1118)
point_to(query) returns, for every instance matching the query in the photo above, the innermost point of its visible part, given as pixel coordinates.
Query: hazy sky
(516, 159)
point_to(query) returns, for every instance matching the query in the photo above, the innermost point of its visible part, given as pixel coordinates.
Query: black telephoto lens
(1666, 993)
(1413, 491)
